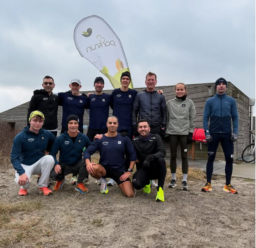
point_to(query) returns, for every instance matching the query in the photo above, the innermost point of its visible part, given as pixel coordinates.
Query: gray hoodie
(180, 116)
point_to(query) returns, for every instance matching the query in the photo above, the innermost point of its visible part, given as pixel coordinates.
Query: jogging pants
(43, 167)
(181, 140)
(78, 168)
(228, 149)
(156, 171)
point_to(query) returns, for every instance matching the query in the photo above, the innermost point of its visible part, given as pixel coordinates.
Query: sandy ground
(186, 218)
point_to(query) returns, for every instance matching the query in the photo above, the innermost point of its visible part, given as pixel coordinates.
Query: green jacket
(180, 117)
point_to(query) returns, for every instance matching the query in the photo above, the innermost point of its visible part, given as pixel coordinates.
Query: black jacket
(48, 105)
(151, 146)
(150, 106)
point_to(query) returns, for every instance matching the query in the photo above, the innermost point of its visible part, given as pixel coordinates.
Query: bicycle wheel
(248, 154)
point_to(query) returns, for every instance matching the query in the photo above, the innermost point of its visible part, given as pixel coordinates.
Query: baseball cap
(35, 113)
(75, 81)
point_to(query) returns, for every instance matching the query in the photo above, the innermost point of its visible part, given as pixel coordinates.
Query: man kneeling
(150, 163)
(113, 148)
(28, 154)
(70, 144)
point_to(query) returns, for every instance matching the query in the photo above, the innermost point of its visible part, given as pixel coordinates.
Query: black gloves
(190, 138)
(147, 161)
(233, 137)
(208, 138)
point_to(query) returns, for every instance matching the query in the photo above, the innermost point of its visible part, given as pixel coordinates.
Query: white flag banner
(97, 42)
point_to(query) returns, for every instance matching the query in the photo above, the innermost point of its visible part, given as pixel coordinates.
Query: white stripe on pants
(43, 166)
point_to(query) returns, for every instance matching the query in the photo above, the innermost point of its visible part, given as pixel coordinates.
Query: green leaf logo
(88, 33)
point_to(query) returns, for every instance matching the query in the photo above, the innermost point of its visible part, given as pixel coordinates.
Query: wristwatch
(130, 170)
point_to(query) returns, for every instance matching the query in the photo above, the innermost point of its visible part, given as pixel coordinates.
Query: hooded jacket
(28, 147)
(48, 105)
(180, 117)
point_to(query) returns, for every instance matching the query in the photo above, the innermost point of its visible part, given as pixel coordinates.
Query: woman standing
(181, 114)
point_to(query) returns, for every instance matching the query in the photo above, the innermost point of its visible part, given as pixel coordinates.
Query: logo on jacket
(79, 140)
(66, 142)
(31, 140)
(93, 99)
(81, 101)
(183, 105)
(42, 137)
(45, 98)
(130, 96)
(70, 98)
(105, 143)
(119, 142)
(103, 100)
(118, 95)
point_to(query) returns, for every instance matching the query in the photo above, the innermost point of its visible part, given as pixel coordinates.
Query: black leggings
(78, 168)
(228, 149)
(156, 171)
(181, 140)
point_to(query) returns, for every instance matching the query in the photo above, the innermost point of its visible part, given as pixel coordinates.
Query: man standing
(221, 109)
(28, 154)
(99, 109)
(151, 106)
(73, 103)
(150, 161)
(45, 101)
(70, 144)
(113, 148)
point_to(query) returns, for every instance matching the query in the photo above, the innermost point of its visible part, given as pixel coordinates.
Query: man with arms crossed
(150, 161)
(221, 109)
(28, 154)
(70, 144)
(113, 148)
(45, 101)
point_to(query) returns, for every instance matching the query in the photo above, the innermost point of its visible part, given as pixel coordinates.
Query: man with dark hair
(73, 103)
(113, 148)
(70, 144)
(220, 109)
(99, 109)
(45, 101)
(29, 154)
(150, 161)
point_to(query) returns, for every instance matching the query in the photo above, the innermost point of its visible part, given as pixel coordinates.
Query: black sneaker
(184, 185)
(172, 184)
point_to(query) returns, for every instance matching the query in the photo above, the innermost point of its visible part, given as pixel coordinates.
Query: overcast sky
(181, 41)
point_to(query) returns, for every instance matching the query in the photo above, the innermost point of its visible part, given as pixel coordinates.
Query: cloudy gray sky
(181, 41)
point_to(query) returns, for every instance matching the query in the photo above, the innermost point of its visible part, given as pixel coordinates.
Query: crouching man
(28, 154)
(70, 144)
(150, 163)
(113, 149)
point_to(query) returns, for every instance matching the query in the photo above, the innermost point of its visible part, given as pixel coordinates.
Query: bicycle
(248, 154)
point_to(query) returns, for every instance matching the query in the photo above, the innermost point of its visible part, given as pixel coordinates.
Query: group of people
(132, 135)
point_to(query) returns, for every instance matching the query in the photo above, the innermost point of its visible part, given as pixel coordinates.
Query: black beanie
(98, 79)
(72, 118)
(221, 80)
(127, 74)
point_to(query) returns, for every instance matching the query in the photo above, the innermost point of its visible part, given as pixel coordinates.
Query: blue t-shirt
(112, 151)
(122, 105)
(99, 110)
(72, 105)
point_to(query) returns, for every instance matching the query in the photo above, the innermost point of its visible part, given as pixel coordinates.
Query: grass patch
(97, 222)
(249, 180)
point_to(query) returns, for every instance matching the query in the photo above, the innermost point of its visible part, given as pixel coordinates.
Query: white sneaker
(103, 186)
(111, 182)
(153, 183)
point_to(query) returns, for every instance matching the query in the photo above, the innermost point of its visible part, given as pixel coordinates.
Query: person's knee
(211, 156)
(229, 158)
(130, 194)
(137, 184)
(49, 160)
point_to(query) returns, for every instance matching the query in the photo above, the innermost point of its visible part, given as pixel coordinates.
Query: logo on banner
(103, 43)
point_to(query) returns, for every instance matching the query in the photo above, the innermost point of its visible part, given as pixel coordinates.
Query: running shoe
(230, 189)
(172, 184)
(58, 185)
(184, 185)
(23, 192)
(207, 187)
(111, 182)
(147, 189)
(153, 183)
(160, 195)
(103, 186)
(74, 180)
(45, 191)
(81, 188)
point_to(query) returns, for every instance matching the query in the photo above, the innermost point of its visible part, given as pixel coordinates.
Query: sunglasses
(48, 83)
